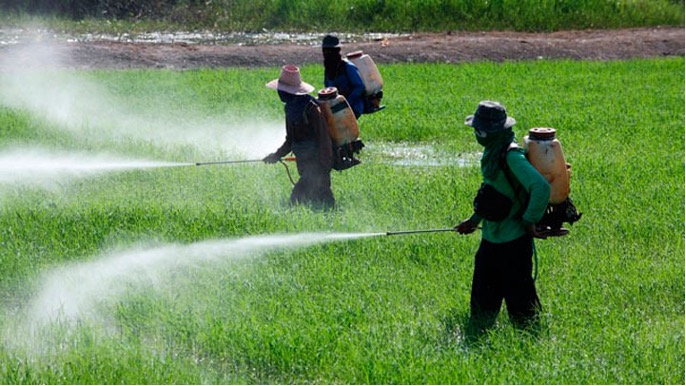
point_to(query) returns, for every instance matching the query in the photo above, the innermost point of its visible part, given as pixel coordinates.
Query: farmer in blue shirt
(343, 75)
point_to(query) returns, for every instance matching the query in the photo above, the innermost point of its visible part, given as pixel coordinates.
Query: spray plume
(32, 81)
(74, 293)
(71, 292)
(44, 168)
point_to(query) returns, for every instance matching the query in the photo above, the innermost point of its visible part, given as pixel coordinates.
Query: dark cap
(331, 41)
(490, 117)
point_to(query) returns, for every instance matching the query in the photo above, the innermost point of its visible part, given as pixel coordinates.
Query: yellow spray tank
(343, 127)
(339, 116)
(371, 77)
(544, 152)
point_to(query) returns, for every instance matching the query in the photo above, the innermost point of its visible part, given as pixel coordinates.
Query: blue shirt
(349, 84)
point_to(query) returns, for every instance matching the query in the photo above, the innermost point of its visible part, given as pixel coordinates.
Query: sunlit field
(124, 262)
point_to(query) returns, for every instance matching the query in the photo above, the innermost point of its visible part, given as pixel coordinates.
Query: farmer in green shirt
(512, 199)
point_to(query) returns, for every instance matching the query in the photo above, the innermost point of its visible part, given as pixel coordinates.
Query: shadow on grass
(464, 333)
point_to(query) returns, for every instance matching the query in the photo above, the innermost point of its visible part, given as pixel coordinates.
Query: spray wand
(394, 233)
(227, 162)
(239, 161)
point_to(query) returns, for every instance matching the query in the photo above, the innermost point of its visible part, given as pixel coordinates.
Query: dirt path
(437, 48)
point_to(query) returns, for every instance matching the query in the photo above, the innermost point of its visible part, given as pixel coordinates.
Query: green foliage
(379, 310)
(356, 15)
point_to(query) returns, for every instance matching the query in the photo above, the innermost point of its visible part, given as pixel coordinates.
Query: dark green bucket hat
(331, 41)
(490, 117)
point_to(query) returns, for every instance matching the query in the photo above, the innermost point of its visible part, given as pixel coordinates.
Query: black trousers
(314, 185)
(503, 271)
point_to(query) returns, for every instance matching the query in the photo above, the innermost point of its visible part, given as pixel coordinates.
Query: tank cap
(354, 55)
(542, 133)
(328, 93)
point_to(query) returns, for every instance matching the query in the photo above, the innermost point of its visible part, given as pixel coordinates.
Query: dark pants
(314, 185)
(503, 271)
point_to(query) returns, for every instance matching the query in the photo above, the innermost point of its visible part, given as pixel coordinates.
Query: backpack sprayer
(371, 77)
(544, 151)
(343, 128)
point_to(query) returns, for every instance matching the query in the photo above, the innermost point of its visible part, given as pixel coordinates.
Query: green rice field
(125, 263)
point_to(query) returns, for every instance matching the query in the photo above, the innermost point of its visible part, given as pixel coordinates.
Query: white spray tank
(371, 77)
(339, 116)
(544, 152)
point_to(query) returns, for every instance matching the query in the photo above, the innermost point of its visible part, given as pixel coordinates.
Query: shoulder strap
(344, 64)
(502, 160)
(516, 185)
(312, 104)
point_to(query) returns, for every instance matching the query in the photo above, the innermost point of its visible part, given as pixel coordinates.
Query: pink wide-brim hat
(290, 81)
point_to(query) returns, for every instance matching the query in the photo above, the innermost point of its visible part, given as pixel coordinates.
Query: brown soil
(438, 48)
(451, 47)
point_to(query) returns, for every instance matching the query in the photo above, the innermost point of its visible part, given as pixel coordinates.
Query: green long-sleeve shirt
(537, 191)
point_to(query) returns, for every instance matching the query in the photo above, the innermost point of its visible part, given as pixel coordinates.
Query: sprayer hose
(535, 260)
(288, 172)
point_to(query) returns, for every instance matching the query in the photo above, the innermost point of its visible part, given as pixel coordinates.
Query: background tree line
(360, 15)
(119, 9)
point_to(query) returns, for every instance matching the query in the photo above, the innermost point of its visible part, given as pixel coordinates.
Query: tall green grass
(379, 310)
(360, 15)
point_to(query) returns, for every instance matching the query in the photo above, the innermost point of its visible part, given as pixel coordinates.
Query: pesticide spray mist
(34, 80)
(72, 294)
(38, 167)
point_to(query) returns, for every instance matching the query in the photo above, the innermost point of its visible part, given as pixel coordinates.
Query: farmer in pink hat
(307, 136)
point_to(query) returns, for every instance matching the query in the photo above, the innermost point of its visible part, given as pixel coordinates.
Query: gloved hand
(466, 227)
(536, 232)
(271, 159)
